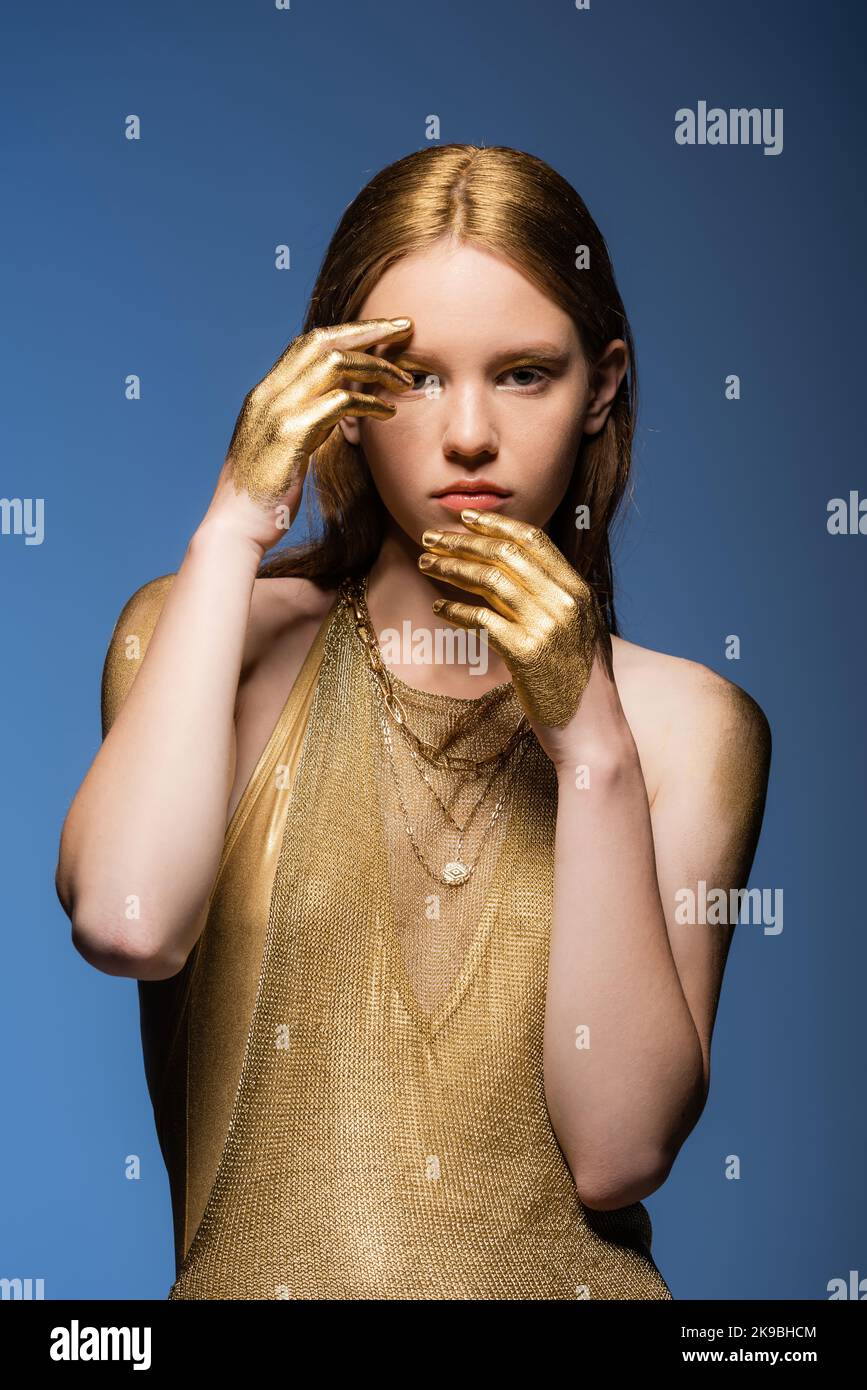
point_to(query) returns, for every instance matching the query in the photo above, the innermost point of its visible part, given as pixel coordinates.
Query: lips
(464, 487)
(482, 501)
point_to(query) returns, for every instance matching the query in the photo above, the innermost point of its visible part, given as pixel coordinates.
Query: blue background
(157, 257)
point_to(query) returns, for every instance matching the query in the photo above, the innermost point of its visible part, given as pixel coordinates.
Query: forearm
(622, 1058)
(143, 837)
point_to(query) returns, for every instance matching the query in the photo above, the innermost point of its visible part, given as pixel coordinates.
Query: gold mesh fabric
(389, 1136)
(432, 925)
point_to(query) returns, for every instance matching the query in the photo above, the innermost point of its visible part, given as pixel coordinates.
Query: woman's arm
(632, 994)
(142, 840)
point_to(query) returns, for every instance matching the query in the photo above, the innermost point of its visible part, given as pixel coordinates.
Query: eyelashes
(525, 389)
(543, 375)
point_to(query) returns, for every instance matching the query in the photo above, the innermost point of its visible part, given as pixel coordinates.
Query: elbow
(609, 1190)
(605, 1182)
(64, 880)
(133, 958)
(61, 888)
(140, 954)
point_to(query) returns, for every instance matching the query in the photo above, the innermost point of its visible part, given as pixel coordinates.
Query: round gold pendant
(456, 872)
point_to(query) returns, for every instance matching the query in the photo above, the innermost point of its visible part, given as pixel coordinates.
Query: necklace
(456, 792)
(456, 871)
(354, 592)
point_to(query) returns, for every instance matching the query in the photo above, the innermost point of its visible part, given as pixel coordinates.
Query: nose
(470, 428)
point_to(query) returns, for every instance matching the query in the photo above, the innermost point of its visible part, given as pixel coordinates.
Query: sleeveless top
(346, 1075)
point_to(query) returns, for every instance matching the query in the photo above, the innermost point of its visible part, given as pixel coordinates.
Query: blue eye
(421, 380)
(537, 371)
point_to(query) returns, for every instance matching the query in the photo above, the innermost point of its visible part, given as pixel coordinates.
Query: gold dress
(346, 1074)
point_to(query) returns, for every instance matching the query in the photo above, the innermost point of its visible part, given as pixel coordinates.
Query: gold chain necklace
(458, 789)
(456, 871)
(354, 592)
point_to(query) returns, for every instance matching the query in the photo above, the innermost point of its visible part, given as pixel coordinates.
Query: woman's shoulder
(128, 643)
(277, 604)
(678, 683)
(283, 611)
(676, 706)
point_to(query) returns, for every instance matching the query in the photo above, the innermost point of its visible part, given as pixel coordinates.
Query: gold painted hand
(291, 412)
(544, 619)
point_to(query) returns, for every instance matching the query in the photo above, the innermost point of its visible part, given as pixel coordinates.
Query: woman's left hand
(544, 621)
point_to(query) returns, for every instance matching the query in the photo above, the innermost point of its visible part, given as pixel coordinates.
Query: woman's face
(500, 394)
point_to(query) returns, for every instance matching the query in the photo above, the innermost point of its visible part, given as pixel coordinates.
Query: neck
(453, 660)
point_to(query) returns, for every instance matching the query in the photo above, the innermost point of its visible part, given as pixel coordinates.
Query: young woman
(419, 1020)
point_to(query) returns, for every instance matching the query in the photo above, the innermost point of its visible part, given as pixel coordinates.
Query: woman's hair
(514, 205)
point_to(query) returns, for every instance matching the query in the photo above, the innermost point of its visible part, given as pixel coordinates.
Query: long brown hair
(515, 205)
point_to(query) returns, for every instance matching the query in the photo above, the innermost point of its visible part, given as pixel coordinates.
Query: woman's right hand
(290, 413)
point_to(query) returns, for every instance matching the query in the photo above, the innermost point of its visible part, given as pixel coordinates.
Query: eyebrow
(548, 352)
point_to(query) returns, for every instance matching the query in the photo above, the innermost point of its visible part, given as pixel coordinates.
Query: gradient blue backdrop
(157, 258)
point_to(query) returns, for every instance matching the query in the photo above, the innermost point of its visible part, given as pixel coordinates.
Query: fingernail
(401, 323)
(469, 514)
(425, 561)
(431, 537)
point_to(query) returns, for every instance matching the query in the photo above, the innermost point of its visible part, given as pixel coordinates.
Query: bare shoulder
(281, 611)
(128, 643)
(142, 608)
(277, 605)
(681, 710)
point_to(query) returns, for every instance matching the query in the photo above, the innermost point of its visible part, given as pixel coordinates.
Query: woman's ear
(349, 426)
(606, 377)
(349, 423)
